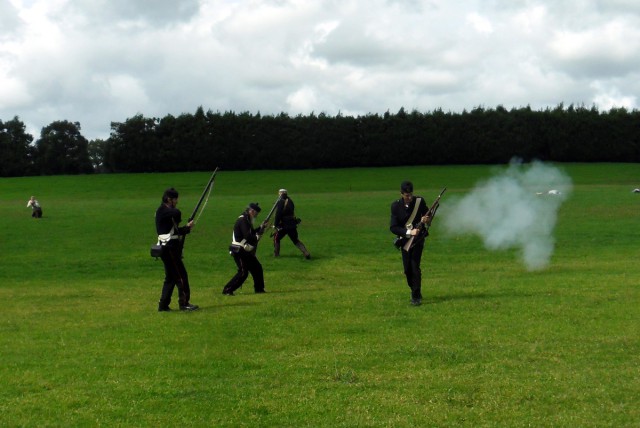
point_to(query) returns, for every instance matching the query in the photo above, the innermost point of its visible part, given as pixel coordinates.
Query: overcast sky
(98, 61)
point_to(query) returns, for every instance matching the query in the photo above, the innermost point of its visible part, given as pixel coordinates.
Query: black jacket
(166, 218)
(244, 230)
(400, 213)
(285, 214)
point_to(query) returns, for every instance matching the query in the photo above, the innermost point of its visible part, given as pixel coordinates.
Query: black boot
(276, 249)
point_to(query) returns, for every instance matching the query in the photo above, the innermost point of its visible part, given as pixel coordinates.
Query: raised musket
(265, 223)
(424, 228)
(205, 194)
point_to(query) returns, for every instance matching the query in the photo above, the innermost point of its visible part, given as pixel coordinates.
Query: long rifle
(264, 224)
(424, 228)
(204, 197)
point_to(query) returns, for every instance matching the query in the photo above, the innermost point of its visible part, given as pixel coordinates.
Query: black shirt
(168, 217)
(285, 215)
(400, 214)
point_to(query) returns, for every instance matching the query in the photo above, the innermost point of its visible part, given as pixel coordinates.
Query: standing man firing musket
(410, 221)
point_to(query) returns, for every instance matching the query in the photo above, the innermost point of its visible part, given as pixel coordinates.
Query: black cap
(254, 206)
(170, 193)
(406, 187)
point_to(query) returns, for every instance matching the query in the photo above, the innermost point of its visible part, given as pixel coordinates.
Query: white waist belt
(167, 237)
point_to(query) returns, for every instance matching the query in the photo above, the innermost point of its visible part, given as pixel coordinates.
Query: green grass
(334, 342)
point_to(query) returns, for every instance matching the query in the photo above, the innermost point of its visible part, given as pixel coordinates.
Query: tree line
(241, 141)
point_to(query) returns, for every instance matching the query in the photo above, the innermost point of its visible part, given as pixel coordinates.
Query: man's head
(282, 193)
(406, 187)
(406, 190)
(254, 209)
(170, 196)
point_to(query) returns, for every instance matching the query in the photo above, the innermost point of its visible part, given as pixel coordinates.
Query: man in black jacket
(286, 223)
(171, 236)
(243, 249)
(408, 217)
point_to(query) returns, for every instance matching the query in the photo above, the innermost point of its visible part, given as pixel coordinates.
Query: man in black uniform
(171, 236)
(286, 223)
(243, 249)
(408, 217)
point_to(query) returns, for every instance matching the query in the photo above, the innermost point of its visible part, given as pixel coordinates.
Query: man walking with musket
(286, 223)
(409, 214)
(243, 248)
(171, 237)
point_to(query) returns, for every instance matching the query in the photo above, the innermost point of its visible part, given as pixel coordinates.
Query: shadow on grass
(470, 296)
(299, 256)
(226, 304)
(294, 290)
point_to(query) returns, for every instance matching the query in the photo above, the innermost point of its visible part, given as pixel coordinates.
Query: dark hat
(406, 187)
(170, 193)
(254, 206)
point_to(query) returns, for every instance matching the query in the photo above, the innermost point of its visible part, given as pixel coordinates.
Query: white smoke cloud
(516, 209)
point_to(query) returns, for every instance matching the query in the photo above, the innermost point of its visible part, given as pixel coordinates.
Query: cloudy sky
(98, 61)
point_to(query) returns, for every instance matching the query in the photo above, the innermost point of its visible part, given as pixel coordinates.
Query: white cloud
(480, 24)
(608, 97)
(97, 61)
(302, 100)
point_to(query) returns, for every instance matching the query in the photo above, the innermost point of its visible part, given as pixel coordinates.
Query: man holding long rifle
(243, 248)
(286, 223)
(171, 237)
(410, 221)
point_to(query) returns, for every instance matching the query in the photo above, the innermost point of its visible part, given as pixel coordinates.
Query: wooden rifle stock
(422, 227)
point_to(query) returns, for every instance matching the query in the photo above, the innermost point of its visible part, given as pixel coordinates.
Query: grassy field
(334, 342)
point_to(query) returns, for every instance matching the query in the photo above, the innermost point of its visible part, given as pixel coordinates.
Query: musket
(264, 224)
(205, 194)
(205, 198)
(424, 228)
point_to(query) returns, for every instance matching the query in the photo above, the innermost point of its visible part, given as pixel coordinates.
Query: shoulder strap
(414, 213)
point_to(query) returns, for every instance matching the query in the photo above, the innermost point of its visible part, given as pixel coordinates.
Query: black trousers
(292, 232)
(411, 263)
(247, 264)
(175, 275)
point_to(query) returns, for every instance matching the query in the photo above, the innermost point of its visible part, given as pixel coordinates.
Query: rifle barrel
(273, 208)
(204, 194)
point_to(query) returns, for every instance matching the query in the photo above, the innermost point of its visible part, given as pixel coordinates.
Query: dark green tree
(16, 151)
(62, 149)
(96, 154)
(133, 146)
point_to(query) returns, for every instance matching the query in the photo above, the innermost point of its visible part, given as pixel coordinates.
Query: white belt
(242, 244)
(166, 237)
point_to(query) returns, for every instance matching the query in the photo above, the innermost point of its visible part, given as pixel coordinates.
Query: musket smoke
(515, 209)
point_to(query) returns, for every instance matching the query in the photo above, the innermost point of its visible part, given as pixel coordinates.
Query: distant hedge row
(200, 141)
(481, 136)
